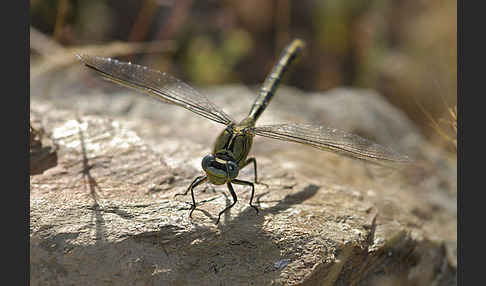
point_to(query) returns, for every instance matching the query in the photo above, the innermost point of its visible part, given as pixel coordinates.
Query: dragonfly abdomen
(273, 79)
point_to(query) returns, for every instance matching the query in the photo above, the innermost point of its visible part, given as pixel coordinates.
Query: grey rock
(106, 213)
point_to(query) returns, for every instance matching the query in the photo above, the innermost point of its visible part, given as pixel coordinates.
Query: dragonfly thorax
(234, 143)
(220, 167)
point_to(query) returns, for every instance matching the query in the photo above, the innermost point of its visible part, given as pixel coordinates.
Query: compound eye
(232, 168)
(207, 160)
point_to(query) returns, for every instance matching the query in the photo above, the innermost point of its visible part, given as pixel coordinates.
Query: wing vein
(158, 85)
(331, 140)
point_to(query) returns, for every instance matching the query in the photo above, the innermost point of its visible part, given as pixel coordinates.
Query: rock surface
(106, 213)
(42, 151)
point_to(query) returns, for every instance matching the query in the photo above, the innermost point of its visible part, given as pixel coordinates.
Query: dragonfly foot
(219, 217)
(180, 194)
(193, 207)
(260, 183)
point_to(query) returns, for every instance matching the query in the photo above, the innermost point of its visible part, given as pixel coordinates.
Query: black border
(15, 117)
(25, 54)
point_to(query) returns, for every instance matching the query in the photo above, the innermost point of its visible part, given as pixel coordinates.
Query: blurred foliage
(206, 63)
(405, 49)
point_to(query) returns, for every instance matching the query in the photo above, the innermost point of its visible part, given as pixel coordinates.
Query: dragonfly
(232, 146)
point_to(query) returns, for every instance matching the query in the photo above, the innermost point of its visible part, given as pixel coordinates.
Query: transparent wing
(329, 139)
(156, 84)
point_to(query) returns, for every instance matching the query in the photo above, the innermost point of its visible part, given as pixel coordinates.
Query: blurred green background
(404, 49)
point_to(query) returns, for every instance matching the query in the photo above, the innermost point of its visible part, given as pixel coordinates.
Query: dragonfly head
(220, 168)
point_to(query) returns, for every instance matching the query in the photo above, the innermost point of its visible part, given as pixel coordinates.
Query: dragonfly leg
(233, 194)
(193, 182)
(197, 181)
(253, 160)
(246, 183)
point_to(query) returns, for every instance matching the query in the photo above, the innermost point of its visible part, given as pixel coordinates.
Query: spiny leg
(246, 183)
(197, 181)
(193, 182)
(233, 194)
(253, 160)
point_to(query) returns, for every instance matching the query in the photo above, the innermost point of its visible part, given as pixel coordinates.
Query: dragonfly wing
(329, 139)
(156, 84)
